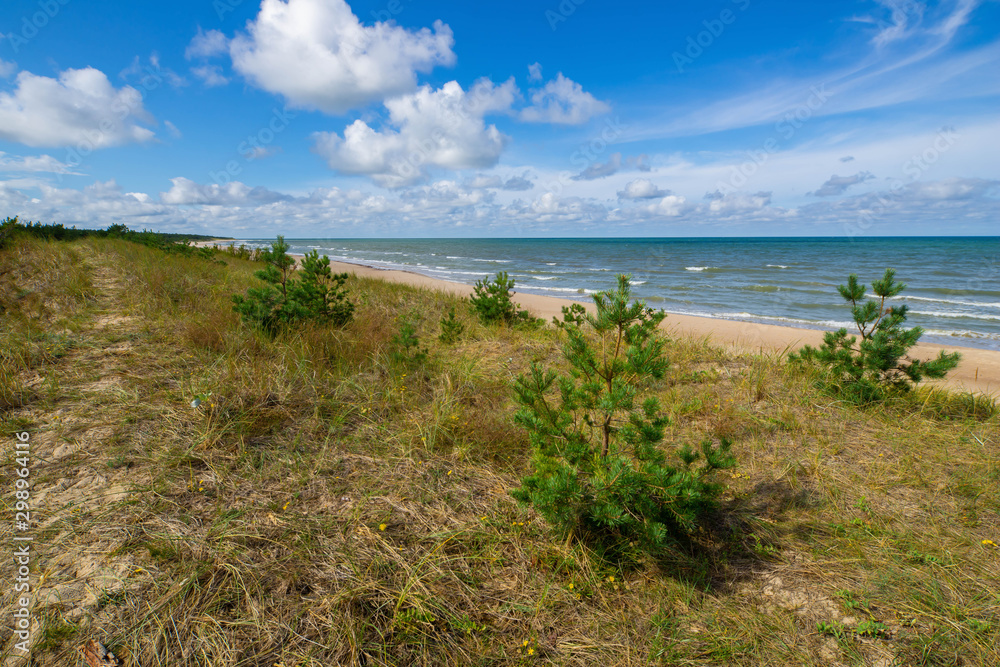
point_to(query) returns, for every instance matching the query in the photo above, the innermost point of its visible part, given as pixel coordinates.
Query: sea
(952, 283)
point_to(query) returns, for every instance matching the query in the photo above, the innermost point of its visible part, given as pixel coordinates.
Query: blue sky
(319, 118)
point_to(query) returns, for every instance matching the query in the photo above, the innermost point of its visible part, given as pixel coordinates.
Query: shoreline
(978, 371)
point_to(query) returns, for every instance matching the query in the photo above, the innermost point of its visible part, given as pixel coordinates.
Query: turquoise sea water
(953, 283)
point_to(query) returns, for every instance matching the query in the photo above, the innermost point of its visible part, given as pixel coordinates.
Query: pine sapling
(599, 472)
(866, 371)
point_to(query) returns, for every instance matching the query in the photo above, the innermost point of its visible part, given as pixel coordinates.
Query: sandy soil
(979, 370)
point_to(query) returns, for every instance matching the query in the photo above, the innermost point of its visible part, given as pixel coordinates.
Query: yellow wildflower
(989, 543)
(382, 526)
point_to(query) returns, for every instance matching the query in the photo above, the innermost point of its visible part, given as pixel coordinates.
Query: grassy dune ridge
(330, 503)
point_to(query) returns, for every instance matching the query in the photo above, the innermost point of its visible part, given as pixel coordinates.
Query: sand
(978, 371)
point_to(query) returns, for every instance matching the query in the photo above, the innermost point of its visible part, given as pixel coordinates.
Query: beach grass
(330, 501)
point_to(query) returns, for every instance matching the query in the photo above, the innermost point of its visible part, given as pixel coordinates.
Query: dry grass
(329, 503)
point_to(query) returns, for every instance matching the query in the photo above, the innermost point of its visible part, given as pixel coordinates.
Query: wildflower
(989, 543)
(449, 472)
(524, 644)
(285, 507)
(570, 586)
(531, 651)
(611, 579)
(382, 526)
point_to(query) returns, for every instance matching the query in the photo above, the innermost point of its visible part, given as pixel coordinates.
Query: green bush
(451, 328)
(492, 300)
(317, 295)
(869, 371)
(407, 343)
(599, 472)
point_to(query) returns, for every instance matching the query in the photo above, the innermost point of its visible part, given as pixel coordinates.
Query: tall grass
(328, 503)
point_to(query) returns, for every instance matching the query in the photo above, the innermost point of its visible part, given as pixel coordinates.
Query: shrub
(407, 343)
(598, 470)
(451, 328)
(868, 371)
(317, 295)
(492, 300)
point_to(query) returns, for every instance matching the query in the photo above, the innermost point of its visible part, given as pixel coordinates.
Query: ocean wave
(962, 333)
(778, 266)
(701, 268)
(955, 302)
(956, 315)
(543, 277)
(637, 282)
(494, 261)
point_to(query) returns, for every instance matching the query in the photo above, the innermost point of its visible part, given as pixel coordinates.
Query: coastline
(978, 371)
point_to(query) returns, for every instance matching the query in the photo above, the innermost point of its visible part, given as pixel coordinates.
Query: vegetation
(324, 505)
(599, 471)
(451, 328)
(493, 301)
(871, 370)
(318, 295)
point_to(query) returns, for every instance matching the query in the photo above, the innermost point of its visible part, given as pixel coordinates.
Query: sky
(402, 118)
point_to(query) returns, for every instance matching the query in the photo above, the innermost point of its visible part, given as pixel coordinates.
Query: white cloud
(600, 169)
(562, 101)
(207, 45)
(954, 189)
(318, 55)
(186, 192)
(80, 108)
(735, 203)
(31, 163)
(211, 75)
(837, 185)
(435, 128)
(670, 206)
(641, 188)
(535, 72)
(7, 69)
(174, 132)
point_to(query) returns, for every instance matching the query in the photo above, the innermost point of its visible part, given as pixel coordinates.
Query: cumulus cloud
(211, 75)
(318, 55)
(31, 163)
(433, 128)
(670, 206)
(518, 183)
(186, 192)
(837, 185)
(600, 170)
(7, 69)
(207, 45)
(954, 189)
(641, 188)
(80, 107)
(496, 182)
(562, 101)
(734, 203)
(535, 72)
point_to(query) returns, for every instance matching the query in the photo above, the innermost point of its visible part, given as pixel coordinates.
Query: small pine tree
(451, 328)
(598, 470)
(317, 295)
(867, 371)
(493, 301)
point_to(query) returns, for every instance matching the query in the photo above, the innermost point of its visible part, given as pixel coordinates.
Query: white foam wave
(700, 268)
(943, 313)
(778, 266)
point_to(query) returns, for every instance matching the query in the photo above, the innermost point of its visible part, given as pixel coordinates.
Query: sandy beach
(979, 370)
